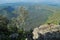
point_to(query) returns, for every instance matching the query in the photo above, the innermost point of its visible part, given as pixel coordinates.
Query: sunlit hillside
(55, 18)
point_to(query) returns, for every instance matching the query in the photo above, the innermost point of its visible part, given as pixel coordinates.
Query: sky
(13, 1)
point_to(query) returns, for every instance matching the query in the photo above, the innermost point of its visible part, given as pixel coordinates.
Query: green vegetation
(55, 18)
(18, 20)
(10, 31)
(29, 16)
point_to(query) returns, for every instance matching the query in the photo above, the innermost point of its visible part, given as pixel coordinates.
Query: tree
(12, 26)
(22, 17)
(3, 23)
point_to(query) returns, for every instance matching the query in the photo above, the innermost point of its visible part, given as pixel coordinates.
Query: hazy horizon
(34, 1)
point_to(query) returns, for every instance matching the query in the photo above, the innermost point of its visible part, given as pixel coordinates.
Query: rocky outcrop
(44, 29)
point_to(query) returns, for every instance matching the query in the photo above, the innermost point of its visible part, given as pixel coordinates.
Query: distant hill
(38, 13)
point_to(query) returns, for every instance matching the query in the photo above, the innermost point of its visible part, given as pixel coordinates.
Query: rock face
(43, 29)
